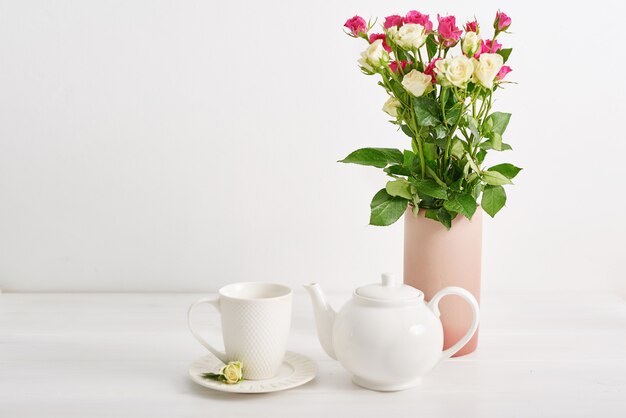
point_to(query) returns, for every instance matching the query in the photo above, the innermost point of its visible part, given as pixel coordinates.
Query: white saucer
(296, 370)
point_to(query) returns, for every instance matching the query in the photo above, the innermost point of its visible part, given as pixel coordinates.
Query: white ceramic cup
(256, 318)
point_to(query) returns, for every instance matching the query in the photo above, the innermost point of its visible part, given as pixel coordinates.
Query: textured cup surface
(256, 318)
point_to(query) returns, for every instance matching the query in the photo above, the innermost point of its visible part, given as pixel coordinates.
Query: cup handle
(215, 301)
(434, 305)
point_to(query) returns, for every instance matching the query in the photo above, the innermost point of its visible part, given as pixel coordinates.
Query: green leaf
(426, 111)
(377, 157)
(444, 217)
(430, 152)
(214, 376)
(508, 170)
(397, 88)
(440, 132)
(386, 209)
(475, 192)
(480, 156)
(411, 162)
(210, 375)
(397, 170)
(466, 168)
(400, 188)
(457, 149)
(472, 125)
(439, 136)
(461, 203)
(494, 198)
(407, 131)
(436, 178)
(498, 122)
(431, 46)
(495, 178)
(496, 141)
(487, 145)
(430, 188)
(471, 163)
(452, 115)
(409, 157)
(431, 214)
(457, 185)
(505, 53)
(416, 202)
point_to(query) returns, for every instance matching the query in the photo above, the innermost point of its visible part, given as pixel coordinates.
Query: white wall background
(179, 145)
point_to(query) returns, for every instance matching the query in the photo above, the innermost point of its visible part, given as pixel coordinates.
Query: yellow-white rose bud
(486, 68)
(391, 107)
(441, 66)
(456, 71)
(417, 83)
(232, 372)
(392, 33)
(373, 56)
(411, 36)
(470, 44)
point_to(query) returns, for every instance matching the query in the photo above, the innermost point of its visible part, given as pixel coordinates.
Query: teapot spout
(324, 318)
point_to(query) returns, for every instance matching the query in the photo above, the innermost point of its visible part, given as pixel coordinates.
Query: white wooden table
(126, 355)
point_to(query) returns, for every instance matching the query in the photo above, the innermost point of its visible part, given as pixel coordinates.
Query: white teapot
(386, 335)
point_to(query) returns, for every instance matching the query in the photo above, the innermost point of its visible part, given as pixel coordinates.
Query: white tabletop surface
(126, 355)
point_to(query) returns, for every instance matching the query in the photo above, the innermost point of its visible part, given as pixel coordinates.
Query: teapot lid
(391, 289)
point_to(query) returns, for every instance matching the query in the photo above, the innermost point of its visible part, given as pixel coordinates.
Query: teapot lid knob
(391, 289)
(390, 279)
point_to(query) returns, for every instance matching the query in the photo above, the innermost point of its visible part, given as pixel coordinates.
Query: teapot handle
(434, 305)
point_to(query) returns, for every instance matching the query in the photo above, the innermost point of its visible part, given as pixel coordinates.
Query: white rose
(456, 71)
(486, 68)
(411, 36)
(371, 58)
(417, 83)
(470, 44)
(232, 372)
(391, 107)
(392, 33)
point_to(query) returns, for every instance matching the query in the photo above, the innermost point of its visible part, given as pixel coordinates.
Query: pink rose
(416, 17)
(356, 25)
(472, 27)
(488, 46)
(430, 69)
(503, 72)
(491, 46)
(502, 22)
(375, 36)
(449, 34)
(393, 65)
(393, 20)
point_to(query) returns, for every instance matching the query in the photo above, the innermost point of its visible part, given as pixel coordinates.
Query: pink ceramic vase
(435, 257)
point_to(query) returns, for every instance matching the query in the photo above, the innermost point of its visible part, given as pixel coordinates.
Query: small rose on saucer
(230, 374)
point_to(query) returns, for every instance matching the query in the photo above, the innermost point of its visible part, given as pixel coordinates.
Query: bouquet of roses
(440, 96)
